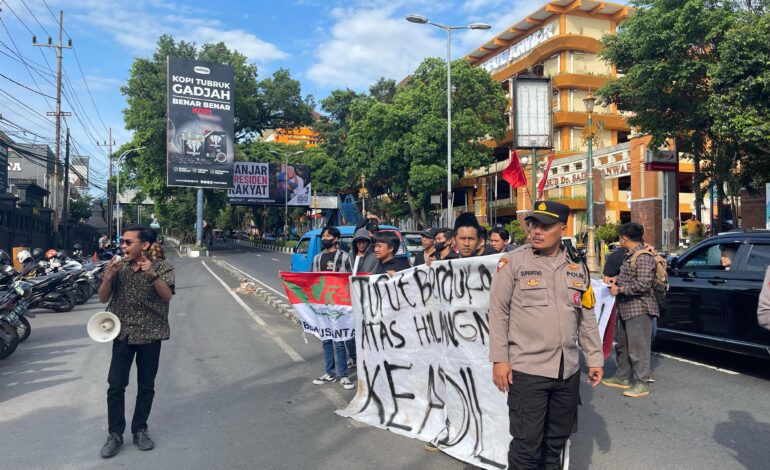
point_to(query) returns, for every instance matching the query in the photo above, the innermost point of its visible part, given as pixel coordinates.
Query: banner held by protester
(422, 349)
(322, 302)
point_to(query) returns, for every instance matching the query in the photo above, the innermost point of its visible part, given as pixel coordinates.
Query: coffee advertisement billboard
(199, 144)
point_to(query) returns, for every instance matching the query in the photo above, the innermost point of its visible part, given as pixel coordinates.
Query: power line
(26, 87)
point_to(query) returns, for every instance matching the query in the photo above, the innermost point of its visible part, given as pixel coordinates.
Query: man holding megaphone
(139, 290)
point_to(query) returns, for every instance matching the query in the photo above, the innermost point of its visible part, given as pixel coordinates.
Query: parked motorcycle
(14, 308)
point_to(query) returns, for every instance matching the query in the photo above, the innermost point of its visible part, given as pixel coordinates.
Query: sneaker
(617, 382)
(351, 363)
(430, 447)
(640, 389)
(347, 384)
(112, 446)
(142, 441)
(325, 379)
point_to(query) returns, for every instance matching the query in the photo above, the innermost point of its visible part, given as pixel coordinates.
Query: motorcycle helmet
(77, 247)
(4, 258)
(61, 255)
(50, 253)
(23, 256)
(37, 253)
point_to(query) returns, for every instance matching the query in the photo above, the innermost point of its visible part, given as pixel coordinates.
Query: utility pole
(58, 113)
(109, 145)
(65, 208)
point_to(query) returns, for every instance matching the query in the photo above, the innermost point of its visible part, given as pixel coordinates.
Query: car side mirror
(673, 264)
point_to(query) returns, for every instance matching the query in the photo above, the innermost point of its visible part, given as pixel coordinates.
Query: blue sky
(326, 44)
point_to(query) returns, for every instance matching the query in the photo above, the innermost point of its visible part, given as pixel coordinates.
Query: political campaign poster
(270, 184)
(322, 303)
(200, 140)
(422, 342)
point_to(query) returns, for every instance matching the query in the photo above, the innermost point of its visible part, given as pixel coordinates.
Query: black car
(713, 294)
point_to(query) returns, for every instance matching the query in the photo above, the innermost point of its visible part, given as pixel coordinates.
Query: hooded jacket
(367, 263)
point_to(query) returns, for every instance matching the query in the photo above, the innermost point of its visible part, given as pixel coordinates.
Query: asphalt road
(233, 393)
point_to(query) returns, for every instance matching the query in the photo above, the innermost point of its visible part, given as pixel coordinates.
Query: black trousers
(147, 358)
(543, 413)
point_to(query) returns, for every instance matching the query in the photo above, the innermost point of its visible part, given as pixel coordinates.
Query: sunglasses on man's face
(127, 242)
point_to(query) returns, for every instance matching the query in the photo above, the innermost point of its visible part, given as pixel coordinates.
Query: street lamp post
(286, 199)
(589, 102)
(119, 162)
(423, 20)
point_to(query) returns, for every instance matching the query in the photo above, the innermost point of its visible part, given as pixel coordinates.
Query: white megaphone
(103, 327)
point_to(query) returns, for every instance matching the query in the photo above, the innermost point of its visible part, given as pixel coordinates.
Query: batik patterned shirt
(135, 301)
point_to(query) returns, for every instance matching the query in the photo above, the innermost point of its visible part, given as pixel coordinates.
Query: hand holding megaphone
(103, 327)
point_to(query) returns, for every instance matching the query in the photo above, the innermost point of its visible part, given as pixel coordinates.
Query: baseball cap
(429, 232)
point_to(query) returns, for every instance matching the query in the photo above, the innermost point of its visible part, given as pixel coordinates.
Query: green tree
(740, 100)
(517, 232)
(274, 102)
(401, 146)
(80, 208)
(665, 50)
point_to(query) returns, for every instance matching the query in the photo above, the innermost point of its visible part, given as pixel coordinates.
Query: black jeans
(147, 358)
(543, 413)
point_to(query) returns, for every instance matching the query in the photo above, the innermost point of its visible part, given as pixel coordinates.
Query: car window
(759, 258)
(414, 240)
(302, 246)
(711, 258)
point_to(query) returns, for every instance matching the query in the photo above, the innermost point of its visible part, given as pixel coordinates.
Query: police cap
(549, 212)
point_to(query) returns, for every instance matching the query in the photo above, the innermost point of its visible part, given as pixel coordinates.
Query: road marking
(293, 354)
(258, 254)
(245, 274)
(240, 301)
(687, 361)
(276, 259)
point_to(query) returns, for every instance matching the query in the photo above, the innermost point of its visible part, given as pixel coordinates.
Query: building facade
(562, 40)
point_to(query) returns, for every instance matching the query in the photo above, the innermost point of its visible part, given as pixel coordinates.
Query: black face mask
(326, 243)
(439, 246)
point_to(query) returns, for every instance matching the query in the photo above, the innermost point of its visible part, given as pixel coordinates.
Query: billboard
(199, 140)
(532, 113)
(270, 184)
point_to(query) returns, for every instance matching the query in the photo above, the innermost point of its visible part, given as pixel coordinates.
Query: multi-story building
(35, 164)
(300, 136)
(78, 175)
(562, 40)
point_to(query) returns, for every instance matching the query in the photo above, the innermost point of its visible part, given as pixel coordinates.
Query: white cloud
(475, 5)
(500, 20)
(138, 24)
(368, 44)
(99, 84)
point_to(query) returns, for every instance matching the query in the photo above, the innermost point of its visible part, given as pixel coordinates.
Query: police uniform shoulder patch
(501, 264)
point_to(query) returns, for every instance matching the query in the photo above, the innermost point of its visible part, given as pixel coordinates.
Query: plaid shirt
(636, 286)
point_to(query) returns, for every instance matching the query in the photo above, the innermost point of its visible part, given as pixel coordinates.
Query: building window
(624, 183)
(622, 137)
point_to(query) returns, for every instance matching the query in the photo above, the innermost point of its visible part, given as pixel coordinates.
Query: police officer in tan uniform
(541, 306)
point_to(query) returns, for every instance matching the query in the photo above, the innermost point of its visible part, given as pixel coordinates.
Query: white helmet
(23, 256)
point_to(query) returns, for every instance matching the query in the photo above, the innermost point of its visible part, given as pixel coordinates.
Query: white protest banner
(322, 302)
(605, 303)
(422, 339)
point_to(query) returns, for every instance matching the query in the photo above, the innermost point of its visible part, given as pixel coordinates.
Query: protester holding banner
(541, 305)
(386, 245)
(362, 253)
(335, 260)
(443, 246)
(467, 235)
(428, 241)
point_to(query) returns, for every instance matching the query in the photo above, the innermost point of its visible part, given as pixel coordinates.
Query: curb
(265, 246)
(263, 294)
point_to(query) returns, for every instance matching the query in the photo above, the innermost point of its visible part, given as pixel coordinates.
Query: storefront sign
(520, 48)
(199, 146)
(660, 160)
(616, 170)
